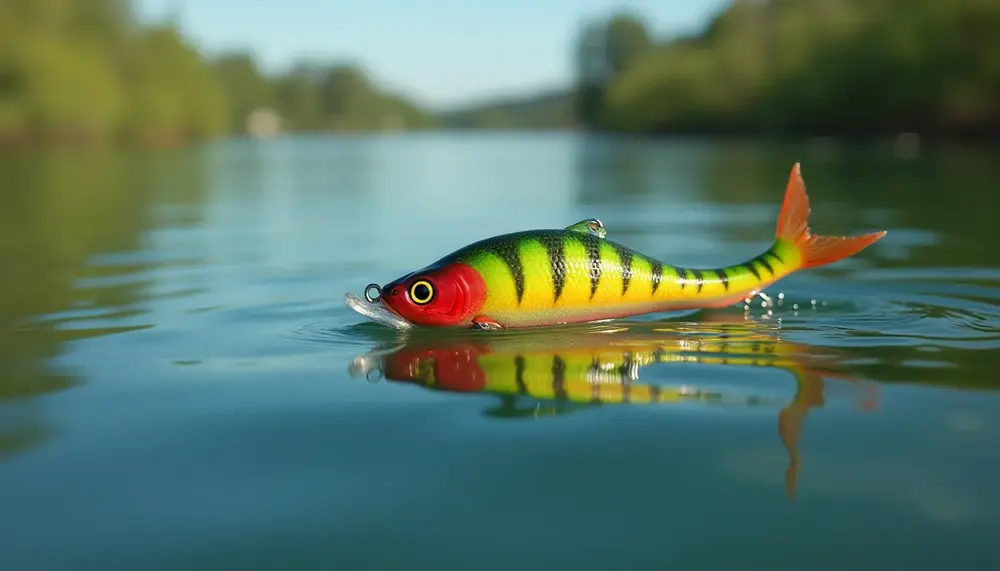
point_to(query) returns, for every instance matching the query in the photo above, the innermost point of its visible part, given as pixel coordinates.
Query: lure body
(575, 274)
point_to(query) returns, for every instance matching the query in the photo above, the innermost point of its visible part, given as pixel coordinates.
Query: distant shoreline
(907, 143)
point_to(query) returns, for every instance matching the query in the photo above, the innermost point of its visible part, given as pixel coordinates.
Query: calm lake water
(182, 386)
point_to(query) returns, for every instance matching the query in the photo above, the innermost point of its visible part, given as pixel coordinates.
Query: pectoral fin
(485, 323)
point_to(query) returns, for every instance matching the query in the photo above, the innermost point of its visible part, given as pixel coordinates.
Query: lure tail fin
(814, 249)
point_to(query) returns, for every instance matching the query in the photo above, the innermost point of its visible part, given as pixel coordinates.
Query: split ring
(378, 291)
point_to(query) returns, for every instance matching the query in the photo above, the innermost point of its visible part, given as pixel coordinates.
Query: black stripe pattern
(556, 250)
(701, 277)
(625, 259)
(593, 246)
(698, 279)
(762, 260)
(508, 251)
(773, 256)
(657, 275)
(723, 277)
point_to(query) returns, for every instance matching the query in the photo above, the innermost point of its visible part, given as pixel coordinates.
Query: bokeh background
(189, 187)
(169, 72)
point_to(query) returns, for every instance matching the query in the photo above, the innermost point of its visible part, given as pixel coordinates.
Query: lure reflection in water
(561, 370)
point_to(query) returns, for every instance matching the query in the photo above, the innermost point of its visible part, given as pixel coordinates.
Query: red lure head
(437, 296)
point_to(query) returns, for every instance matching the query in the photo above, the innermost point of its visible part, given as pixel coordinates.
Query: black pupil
(422, 292)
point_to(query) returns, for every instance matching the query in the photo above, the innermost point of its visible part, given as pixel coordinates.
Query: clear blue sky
(439, 52)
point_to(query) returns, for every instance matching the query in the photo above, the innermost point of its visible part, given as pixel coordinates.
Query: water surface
(182, 387)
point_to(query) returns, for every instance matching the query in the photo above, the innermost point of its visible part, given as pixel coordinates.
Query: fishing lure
(575, 274)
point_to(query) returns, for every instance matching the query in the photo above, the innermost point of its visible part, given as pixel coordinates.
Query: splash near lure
(571, 275)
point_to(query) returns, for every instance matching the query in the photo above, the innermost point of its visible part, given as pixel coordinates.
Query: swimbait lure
(575, 274)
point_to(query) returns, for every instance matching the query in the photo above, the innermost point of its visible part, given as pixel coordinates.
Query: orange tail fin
(793, 227)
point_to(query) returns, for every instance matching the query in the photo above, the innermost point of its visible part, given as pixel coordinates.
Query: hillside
(551, 109)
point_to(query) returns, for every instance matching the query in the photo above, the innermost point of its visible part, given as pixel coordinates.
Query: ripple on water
(906, 322)
(329, 333)
(944, 313)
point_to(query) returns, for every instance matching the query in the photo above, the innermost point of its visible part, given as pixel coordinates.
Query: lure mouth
(375, 310)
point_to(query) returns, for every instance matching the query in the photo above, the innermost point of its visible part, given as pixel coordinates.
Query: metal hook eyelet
(378, 291)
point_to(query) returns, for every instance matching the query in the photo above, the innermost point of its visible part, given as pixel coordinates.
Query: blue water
(182, 386)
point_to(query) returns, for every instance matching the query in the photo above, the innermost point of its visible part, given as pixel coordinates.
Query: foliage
(812, 66)
(338, 97)
(86, 72)
(627, 41)
(548, 110)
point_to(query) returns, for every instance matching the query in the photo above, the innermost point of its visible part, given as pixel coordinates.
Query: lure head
(436, 296)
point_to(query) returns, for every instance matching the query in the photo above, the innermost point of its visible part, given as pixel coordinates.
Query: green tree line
(87, 71)
(842, 67)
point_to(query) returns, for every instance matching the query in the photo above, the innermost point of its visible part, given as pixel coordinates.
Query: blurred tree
(408, 114)
(854, 67)
(56, 79)
(593, 71)
(86, 71)
(245, 87)
(343, 97)
(349, 101)
(175, 96)
(627, 41)
(604, 51)
(298, 99)
(546, 110)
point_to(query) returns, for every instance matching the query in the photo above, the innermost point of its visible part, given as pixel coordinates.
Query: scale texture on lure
(575, 274)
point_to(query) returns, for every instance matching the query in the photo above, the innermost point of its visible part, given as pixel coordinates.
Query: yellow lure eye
(421, 292)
